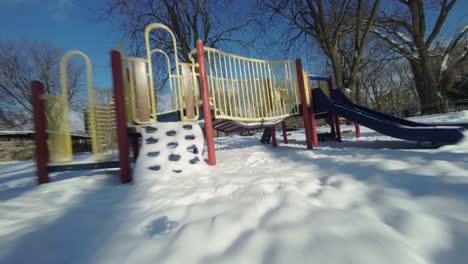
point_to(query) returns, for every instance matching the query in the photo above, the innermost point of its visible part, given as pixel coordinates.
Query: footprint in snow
(160, 226)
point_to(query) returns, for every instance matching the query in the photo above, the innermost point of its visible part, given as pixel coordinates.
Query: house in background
(19, 145)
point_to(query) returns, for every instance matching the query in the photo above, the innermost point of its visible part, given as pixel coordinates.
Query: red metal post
(274, 143)
(305, 110)
(205, 96)
(285, 135)
(312, 116)
(121, 117)
(40, 135)
(357, 129)
(336, 119)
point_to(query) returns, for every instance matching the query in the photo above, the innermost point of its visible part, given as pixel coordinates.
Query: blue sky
(65, 25)
(69, 25)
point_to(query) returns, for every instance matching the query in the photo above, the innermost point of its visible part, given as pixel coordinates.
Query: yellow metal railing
(149, 54)
(251, 90)
(305, 75)
(58, 126)
(139, 84)
(106, 137)
(188, 90)
(58, 116)
(139, 97)
(241, 89)
(323, 85)
(89, 83)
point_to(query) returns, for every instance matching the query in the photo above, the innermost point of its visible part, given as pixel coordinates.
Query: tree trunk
(426, 88)
(337, 68)
(357, 89)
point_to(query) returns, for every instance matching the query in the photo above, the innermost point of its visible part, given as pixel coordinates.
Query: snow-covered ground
(370, 200)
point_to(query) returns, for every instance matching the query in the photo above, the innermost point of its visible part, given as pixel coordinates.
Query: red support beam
(357, 129)
(40, 133)
(121, 117)
(205, 96)
(305, 110)
(274, 143)
(285, 135)
(312, 116)
(336, 119)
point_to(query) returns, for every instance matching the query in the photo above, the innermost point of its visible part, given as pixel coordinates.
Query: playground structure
(222, 91)
(216, 89)
(236, 93)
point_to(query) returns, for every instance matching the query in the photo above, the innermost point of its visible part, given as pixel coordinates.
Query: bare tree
(454, 58)
(406, 28)
(214, 22)
(339, 27)
(389, 85)
(20, 63)
(373, 70)
(379, 73)
(373, 62)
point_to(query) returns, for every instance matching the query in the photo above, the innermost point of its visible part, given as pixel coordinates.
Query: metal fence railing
(451, 106)
(251, 90)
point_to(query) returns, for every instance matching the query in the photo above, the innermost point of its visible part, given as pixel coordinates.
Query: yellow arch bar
(64, 93)
(150, 51)
(168, 63)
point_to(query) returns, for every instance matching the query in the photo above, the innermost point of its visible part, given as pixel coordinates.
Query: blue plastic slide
(337, 95)
(386, 124)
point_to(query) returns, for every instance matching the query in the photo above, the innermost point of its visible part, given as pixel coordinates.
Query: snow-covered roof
(12, 132)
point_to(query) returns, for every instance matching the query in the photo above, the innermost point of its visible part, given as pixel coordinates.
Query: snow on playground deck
(368, 200)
